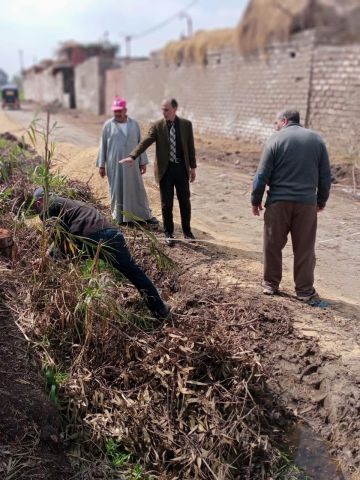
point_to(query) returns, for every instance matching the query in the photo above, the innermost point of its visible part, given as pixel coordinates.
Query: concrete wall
(45, 87)
(87, 85)
(90, 84)
(113, 87)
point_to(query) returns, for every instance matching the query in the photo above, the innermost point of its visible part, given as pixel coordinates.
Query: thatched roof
(265, 21)
(194, 49)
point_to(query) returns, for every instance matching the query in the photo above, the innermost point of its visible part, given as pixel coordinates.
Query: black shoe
(164, 312)
(169, 240)
(189, 236)
(153, 221)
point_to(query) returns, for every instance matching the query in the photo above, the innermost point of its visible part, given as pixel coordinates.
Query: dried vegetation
(266, 21)
(185, 400)
(196, 48)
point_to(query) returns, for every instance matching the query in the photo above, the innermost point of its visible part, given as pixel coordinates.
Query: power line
(181, 13)
(164, 22)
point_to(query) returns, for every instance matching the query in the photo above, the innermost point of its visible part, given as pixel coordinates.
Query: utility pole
(128, 39)
(189, 23)
(21, 59)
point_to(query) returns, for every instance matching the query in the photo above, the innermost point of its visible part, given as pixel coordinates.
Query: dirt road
(222, 215)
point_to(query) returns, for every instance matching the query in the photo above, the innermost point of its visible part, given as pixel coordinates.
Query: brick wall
(90, 84)
(238, 97)
(335, 96)
(44, 87)
(231, 95)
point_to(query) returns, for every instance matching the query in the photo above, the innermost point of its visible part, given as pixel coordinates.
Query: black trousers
(175, 177)
(117, 254)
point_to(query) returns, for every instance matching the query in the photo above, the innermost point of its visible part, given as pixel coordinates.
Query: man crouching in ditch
(92, 229)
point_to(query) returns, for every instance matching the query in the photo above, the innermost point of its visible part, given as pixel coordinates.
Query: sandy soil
(222, 215)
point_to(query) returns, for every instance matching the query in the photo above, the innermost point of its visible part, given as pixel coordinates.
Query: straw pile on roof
(265, 21)
(195, 48)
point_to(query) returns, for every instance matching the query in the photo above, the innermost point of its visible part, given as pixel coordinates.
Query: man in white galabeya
(128, 197)
(295, 166)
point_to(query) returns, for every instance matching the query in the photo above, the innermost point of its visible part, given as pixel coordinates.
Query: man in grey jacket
(295, 166)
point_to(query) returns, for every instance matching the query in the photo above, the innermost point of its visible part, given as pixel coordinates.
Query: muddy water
(311, 455)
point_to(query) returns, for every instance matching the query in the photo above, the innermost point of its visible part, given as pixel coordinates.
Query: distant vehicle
(10, 97)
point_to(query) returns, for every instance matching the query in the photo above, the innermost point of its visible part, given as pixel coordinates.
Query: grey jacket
(295, 165)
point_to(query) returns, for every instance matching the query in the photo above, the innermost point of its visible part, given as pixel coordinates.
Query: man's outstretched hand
(128, 160)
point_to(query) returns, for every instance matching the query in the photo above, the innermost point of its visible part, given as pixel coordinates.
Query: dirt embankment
(29, 424)
(314, 364)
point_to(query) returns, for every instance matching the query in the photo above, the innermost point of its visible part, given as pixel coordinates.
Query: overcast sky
(37, 26)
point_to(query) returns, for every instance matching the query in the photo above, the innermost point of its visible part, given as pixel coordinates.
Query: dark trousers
(117, 254)
(300, 220)
(175, 177)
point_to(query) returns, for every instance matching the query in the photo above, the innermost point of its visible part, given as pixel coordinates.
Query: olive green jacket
(158, 133)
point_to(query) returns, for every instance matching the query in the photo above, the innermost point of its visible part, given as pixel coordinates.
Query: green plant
(44, 342)
(5, 195)
(137, 473)
(288, 470)
(4, 143)
(54, 379)
(116, 455)
(34, 131)
(58, 183)
(120, 459)
(10, 157)
(4, 171)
